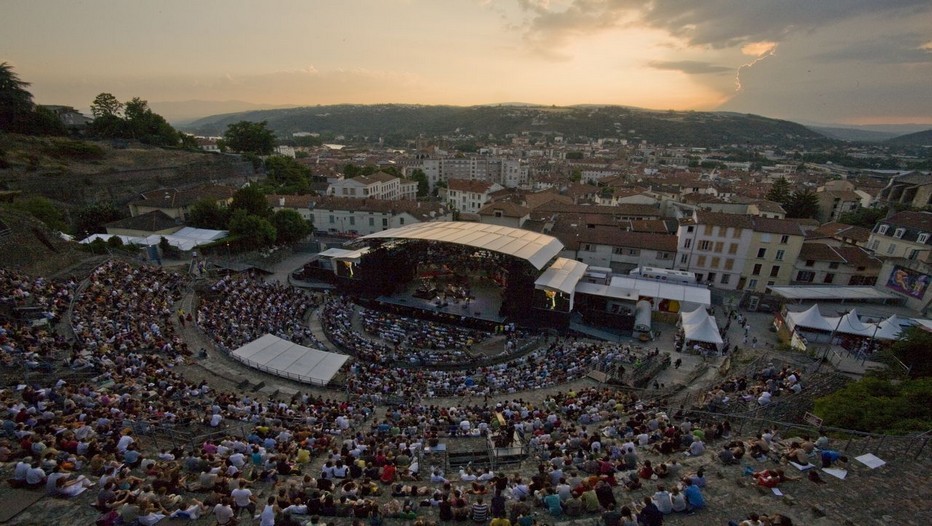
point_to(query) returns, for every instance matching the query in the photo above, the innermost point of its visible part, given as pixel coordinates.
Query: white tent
(693, 317)
(810, 319)
(889, 329)
(290, 360)
(705, 331)
(851, 324)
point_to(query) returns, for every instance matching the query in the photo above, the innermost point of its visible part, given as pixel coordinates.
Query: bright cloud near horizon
(832, 61)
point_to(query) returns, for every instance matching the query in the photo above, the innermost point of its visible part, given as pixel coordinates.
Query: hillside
(396, 123)
(853, 134)
(922, 138)
(76, 173)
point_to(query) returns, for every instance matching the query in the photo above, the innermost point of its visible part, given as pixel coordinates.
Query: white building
(468, 195)
(509, 173)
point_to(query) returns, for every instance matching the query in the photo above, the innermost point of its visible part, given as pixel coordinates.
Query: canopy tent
(810, 319)
(693, 317)
(705, 331)
(185, 239)
(290, 360)
(536, 249)
(890, 328)
(850, 323)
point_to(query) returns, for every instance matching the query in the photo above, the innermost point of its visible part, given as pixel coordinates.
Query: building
(379, 185)
(909, 279)
(913, 189)
(504, 213)
(825, 264)
(617, 249)
(737, 252)
(468, 195)
(902, 235)
(508, 173)
(358, 217)
(837, 234)
(834, 203)
(175, 202)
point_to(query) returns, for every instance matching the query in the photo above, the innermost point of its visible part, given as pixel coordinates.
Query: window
(756, 271)
(401, 220)
(780, 255)
(729, 264)
(752, 284)
(332, 220)
(384, 222)
(705, 244)
(690, 229)
(765, 238)
(784, 240)
(898, 233)
(833, 265)
(352, 220)
(715, 262)
(922, 238)
(618, 251)
(684, 259)
(873, 245)
(882, 229)
(829, 278)
(634, 252)
(733, 248)
(761, 252)
(719, 246)
(774, 271)
(805, 276)
(711, 277)
(700, 261)
(587, 247)
(664, 255)
(913, 254)
(725, 278)
(371, 221)
(688, 243)
(892, 248)
(810, 262)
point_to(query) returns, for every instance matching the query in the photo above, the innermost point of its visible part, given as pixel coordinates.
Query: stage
(484, 303)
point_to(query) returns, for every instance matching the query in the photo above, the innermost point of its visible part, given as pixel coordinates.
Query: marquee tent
(704, 331)
(810, 319)
(290, 360)
(693, 317)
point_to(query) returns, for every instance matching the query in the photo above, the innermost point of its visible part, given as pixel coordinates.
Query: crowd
(760, 389)
(421, 342)
(240, 309)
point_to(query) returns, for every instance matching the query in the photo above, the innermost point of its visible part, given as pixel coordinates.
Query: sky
(816, 61)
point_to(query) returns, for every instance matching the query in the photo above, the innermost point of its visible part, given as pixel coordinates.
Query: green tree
(913, 349)
(879, 405)
(780, 192)
(92, 218)
(423, 186)
(16, 106)
(149, 127)
(863, 217)
(106, 105)
(46, 122)
(802, 204)
(288, 174)
(252, 200)
(206, 213)
(290, 227)
(44, 210)
(253, 231)
(249, 137)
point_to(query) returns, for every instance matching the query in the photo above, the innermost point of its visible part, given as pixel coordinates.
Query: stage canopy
(685, 294)
(344, 254)
(832, 293)
(290, 360)
(536, 249)
(563, 276)
(810, 319)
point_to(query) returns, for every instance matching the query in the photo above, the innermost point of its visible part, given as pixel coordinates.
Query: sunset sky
(829, 61)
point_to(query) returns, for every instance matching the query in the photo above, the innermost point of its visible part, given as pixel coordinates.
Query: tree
(780, 192)
(879, 405)
(290, 227)
(206, 213)
(249, 137)
(802, 204)
(106, 105)
(863, 217)
(253, 231)
(287, 173)
(423, 186)
(16, 106)
(913, 350)
(92, 218)
(147, 126)
(44, 210)
(252, 200)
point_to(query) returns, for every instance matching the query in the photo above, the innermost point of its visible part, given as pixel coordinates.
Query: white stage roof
(831, 293)
(536, 249)
(342, 253)
(290, 360)
(667, 291)
(563, 275)
(606, 291)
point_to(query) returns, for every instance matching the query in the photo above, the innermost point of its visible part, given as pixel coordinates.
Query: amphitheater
(138, 351)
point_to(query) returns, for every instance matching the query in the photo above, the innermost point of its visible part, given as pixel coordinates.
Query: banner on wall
(908, 281)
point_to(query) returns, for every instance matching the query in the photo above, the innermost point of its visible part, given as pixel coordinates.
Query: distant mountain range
(182, 112)
(921, 138)
(397, 122)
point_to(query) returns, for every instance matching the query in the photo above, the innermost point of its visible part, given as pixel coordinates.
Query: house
(902, 235)
(834, 203)
(825, 264)
(620, 250)
(379, 185)
(504, 213)
(837, 234)
(176, 202)
(468, 195)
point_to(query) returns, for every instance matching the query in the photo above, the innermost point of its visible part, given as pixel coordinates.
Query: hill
(853, 134)
(395, 123)
(922, 138)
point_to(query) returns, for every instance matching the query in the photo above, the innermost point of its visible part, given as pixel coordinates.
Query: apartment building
(902, 235)
(824, 264)
(509, 173)
(354, 216)
(468, 195)
(736, 252)
(379, 185)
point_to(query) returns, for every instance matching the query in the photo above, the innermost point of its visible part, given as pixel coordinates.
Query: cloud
(758, 49)
(691, 67)
(718, 24)
(894, 49)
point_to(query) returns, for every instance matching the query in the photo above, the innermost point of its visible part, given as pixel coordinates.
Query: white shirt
(267, 518)
(241, 496)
